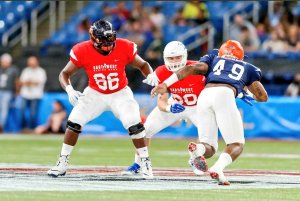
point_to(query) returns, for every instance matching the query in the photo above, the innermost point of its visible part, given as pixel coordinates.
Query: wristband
(168, 108)
(69, 88)
(171, 80)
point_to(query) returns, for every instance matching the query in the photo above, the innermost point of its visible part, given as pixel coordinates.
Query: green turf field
(166, 153)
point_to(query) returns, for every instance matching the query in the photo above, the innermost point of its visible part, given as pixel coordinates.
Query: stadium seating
(12, 12)
(67, 34)
(273, 55)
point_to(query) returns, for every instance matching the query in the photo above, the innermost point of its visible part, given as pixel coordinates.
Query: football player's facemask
(175, 56)
(103, 36)
(232, 49)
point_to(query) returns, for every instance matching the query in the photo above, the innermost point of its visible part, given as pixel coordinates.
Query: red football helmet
(233, 49)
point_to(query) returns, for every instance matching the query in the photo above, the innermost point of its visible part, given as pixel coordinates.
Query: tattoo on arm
(258, 91)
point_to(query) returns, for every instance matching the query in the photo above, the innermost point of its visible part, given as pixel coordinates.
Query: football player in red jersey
(179, 104)
(103, 58)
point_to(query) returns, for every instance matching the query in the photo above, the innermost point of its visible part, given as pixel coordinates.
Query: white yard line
(37, 180)
(267, 155)
(246, 155)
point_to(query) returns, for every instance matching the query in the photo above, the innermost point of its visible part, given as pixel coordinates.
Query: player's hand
(175, 108)
(159, 89)
(246, 97)
(73, 95)
(151, 79)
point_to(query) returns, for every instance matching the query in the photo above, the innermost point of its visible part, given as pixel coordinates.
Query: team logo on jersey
(104, 67)
(181, 90)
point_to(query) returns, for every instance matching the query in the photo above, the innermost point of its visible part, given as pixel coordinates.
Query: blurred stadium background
(268, 30)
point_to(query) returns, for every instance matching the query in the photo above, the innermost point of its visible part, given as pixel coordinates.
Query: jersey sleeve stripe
(134, 49)
(73, 55)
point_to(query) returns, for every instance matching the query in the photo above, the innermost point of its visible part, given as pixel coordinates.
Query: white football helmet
(175, 49)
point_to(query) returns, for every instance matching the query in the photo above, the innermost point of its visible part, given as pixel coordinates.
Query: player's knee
(149, 133)
(137, 131)
(74, 127)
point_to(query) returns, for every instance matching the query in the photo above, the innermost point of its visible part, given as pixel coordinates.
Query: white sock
(223, 161)
(137, 158)
(66, 149)
(200, 151)
(143, 152)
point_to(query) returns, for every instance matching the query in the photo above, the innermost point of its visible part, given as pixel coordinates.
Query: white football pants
(93, 104)
(217, 108)
(158, 120)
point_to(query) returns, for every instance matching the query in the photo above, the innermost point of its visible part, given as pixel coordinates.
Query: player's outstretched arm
(159, 89)
(259, 92)
(142, 65)
(199, 68)
(146, 69)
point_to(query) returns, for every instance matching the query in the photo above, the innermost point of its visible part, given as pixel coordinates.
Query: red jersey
(106, 73)
(185, 91)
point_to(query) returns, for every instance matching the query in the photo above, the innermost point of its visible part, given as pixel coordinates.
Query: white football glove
(73, 95)
(151, 79)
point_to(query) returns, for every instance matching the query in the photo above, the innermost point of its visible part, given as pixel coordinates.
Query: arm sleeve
(208, 59)
(214, 52)
(254, 74)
